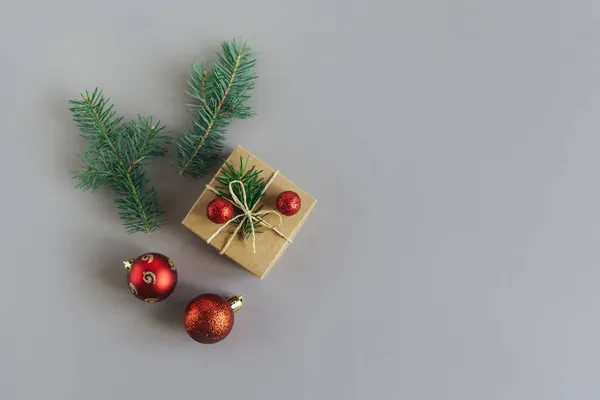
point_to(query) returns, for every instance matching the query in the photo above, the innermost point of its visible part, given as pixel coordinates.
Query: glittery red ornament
(220, 210)
(152, 277)
(288, 203)
(209, 318)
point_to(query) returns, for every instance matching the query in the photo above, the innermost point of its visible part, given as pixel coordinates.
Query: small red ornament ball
(152, 277)
(220, 210)
(209, 318)
(288, 203)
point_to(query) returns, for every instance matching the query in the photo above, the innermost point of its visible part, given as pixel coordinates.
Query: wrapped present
(256, 234)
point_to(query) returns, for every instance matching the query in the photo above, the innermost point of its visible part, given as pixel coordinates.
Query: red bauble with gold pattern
(288, 203)
(209, 317)
(152, 277)
(220, 210)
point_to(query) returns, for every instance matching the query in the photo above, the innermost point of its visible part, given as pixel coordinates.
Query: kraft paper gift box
(269, 244)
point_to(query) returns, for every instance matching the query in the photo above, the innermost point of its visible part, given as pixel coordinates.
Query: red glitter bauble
(220, 210)
(209, 317)
(288, 203)
(152, 277)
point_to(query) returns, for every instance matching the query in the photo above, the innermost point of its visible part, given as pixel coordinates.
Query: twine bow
(247, 214)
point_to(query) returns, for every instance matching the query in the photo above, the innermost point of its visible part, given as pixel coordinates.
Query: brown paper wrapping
(269, 245)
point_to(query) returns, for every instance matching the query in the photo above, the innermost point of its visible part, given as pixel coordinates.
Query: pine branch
(116, 158)
(221, 95)
(253, 183)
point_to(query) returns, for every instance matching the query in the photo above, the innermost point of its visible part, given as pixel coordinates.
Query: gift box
(255, 251)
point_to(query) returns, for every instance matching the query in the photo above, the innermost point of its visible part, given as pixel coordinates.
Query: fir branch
(221, 95)
(253, 183)
(116, 158)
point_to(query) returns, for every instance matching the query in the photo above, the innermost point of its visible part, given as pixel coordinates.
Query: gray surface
(453, 146)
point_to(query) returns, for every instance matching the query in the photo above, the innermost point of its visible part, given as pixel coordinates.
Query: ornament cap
(236, 302)
(128, 263)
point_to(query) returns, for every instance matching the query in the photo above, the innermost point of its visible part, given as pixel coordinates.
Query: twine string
(248, 214)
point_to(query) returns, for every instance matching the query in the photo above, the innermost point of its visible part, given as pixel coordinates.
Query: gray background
(453, 146)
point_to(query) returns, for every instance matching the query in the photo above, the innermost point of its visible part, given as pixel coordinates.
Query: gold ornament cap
(236, 302)
(128, 263)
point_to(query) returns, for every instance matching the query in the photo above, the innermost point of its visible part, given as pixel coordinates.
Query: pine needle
(116, 157)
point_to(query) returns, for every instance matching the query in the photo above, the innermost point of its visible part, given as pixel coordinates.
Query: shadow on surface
(169, 312)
